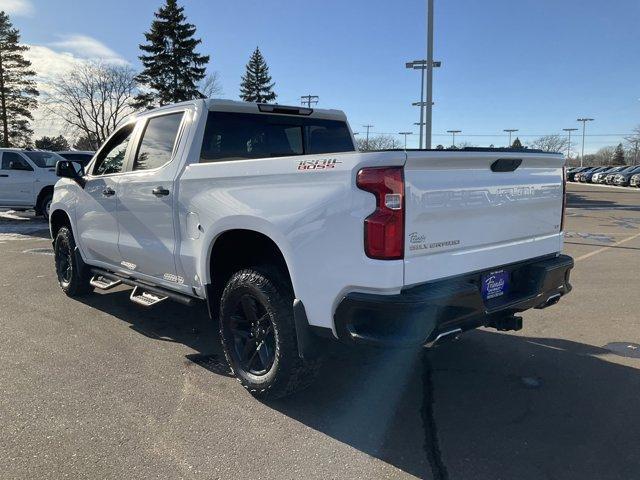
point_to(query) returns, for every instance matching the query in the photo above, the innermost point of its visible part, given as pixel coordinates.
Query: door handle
(3, 175)
(108, 192)
(160, 192)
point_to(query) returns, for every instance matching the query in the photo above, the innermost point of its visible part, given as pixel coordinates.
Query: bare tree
(605, 155)
(551, 143)
(210, 86)
(633, 145)
(94, 100)
(378, 142)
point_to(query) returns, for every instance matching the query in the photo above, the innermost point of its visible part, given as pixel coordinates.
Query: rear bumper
(420, 313)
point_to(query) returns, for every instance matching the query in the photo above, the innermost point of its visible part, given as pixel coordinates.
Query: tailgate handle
(506, 164)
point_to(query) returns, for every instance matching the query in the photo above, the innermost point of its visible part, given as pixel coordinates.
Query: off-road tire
(72, 277)
(288, 373)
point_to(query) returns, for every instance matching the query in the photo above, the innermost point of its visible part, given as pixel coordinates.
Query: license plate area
(495, 284)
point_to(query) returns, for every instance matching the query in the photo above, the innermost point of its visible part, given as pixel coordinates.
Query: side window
(111, 158)
(158, 140)
(14, 161)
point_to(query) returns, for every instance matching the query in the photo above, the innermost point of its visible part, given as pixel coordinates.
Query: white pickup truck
(292, 237)
(27, 178)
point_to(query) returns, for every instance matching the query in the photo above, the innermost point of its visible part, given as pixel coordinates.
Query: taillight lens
(564, 197)
(384, 228)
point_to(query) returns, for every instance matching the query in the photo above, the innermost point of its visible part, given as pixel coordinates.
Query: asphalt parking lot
(101, 388)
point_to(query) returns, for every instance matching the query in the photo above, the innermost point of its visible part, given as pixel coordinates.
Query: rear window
(44, 159)
(240, 136)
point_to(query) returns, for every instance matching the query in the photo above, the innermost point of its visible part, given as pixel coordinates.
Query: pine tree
(17, 87)
(618, 156)
(84, 142)
(516, 143)
(52, 144)
(172, 67)
(256, 83)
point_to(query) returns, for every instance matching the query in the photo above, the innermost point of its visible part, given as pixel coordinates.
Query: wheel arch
(44, 191)
(59, 218)
(235, 249)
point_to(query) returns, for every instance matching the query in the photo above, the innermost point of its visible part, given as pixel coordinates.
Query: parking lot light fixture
(405, 137)
(510, 131)
(453, 134)
(584, 128)
(569, 130)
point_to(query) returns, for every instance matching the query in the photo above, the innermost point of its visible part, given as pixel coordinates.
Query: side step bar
(103, 283)
(151, 290)
(144, 298)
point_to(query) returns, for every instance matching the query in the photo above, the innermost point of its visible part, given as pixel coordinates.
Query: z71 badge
(322, 164)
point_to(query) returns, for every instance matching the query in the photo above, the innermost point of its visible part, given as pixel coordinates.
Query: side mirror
(66, 169)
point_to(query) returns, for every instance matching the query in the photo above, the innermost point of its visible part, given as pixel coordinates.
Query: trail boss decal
(418, 241)
(321, 164)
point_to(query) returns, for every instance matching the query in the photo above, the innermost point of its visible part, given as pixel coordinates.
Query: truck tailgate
(462, 216)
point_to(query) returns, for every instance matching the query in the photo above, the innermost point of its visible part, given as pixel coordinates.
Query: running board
(144, 298)
(103, 283)
(154, 290)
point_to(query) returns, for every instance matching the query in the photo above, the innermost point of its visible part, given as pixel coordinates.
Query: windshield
(44, 159)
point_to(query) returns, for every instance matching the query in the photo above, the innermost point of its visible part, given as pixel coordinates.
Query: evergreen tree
(256, 83)
(618, 156)
(85, 143)
(17, 87)
(52, 144)
(172, 67)
(516, 143)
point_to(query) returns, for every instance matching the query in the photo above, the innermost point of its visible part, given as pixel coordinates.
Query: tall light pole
(419, 65)
(584, 129)
(453, 134)
(422, 66)
(510, 131)
(569, 130)
(405, 137)
(367, 141)
(430, 66)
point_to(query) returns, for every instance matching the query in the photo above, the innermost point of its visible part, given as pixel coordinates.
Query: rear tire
(258, 334)
(72, 277)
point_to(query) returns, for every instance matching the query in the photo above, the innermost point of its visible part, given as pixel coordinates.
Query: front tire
(258, 334)
(45, 205)
(72, 277)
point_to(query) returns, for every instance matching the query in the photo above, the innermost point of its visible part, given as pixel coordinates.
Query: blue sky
(535, 65)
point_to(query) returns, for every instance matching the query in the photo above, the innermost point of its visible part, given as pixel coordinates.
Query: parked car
(634, 181)
(587, 177)
(624, 177)
(571, 173)
(601, 176)
(27, 179)
(610, 176)
(292, 237)
(81, 156)
(578, 176)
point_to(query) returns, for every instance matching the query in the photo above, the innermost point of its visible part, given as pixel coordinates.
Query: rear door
(147, 239)
(471, 211)
(17, 177)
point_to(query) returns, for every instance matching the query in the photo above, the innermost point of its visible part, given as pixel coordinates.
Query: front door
(146, 205)
(16, 180)
(98, 202)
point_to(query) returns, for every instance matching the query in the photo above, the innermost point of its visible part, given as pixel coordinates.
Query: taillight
(564, 197)
(384, 228)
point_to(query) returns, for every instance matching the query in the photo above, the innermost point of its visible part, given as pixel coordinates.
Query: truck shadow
(488, 406)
